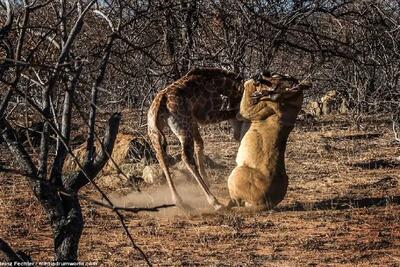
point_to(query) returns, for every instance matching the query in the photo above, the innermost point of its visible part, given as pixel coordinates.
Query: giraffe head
(277, 87)
(282, 94)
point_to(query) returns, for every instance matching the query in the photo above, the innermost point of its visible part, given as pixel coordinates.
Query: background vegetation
(63, 62)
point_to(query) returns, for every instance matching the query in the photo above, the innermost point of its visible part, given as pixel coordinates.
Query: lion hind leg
(248, 186)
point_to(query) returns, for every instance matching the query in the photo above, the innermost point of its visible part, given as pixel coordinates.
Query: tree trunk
(67, 230)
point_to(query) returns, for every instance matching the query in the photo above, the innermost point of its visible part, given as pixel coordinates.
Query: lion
(271, 104)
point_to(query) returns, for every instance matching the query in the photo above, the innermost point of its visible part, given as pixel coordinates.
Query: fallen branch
(131, 209)
(12, 256)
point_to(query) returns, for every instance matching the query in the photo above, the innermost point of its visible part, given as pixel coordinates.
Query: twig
(393, 257)
(395, 131)
(131, 209)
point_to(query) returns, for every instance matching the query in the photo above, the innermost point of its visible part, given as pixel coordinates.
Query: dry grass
(339, 210)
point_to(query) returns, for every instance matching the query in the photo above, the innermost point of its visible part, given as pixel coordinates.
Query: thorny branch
(64, 52)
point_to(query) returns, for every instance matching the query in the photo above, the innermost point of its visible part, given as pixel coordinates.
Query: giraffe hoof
(232, 203)
(219, 207)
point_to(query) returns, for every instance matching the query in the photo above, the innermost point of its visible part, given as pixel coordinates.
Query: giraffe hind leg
(158, 141)
(182, 128)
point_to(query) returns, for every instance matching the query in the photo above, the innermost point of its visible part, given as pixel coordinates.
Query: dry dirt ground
(342, 209)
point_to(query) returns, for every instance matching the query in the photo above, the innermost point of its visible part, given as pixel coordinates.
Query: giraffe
(191, 100)
(271, 104)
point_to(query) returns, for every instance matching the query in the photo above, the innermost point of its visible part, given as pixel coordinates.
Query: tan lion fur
(260, 179)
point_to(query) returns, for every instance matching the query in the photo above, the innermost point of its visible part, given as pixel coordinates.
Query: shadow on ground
(341, 203)
(377, 164)
(363, 136)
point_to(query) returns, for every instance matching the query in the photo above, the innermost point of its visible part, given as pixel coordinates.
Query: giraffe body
(191, 100)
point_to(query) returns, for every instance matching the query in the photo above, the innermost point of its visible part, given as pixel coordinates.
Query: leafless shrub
(63, 62)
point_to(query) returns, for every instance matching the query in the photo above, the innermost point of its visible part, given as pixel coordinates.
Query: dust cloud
(191, 194)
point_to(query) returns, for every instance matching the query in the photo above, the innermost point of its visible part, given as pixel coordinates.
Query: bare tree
(40, 84)
(64, 62)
